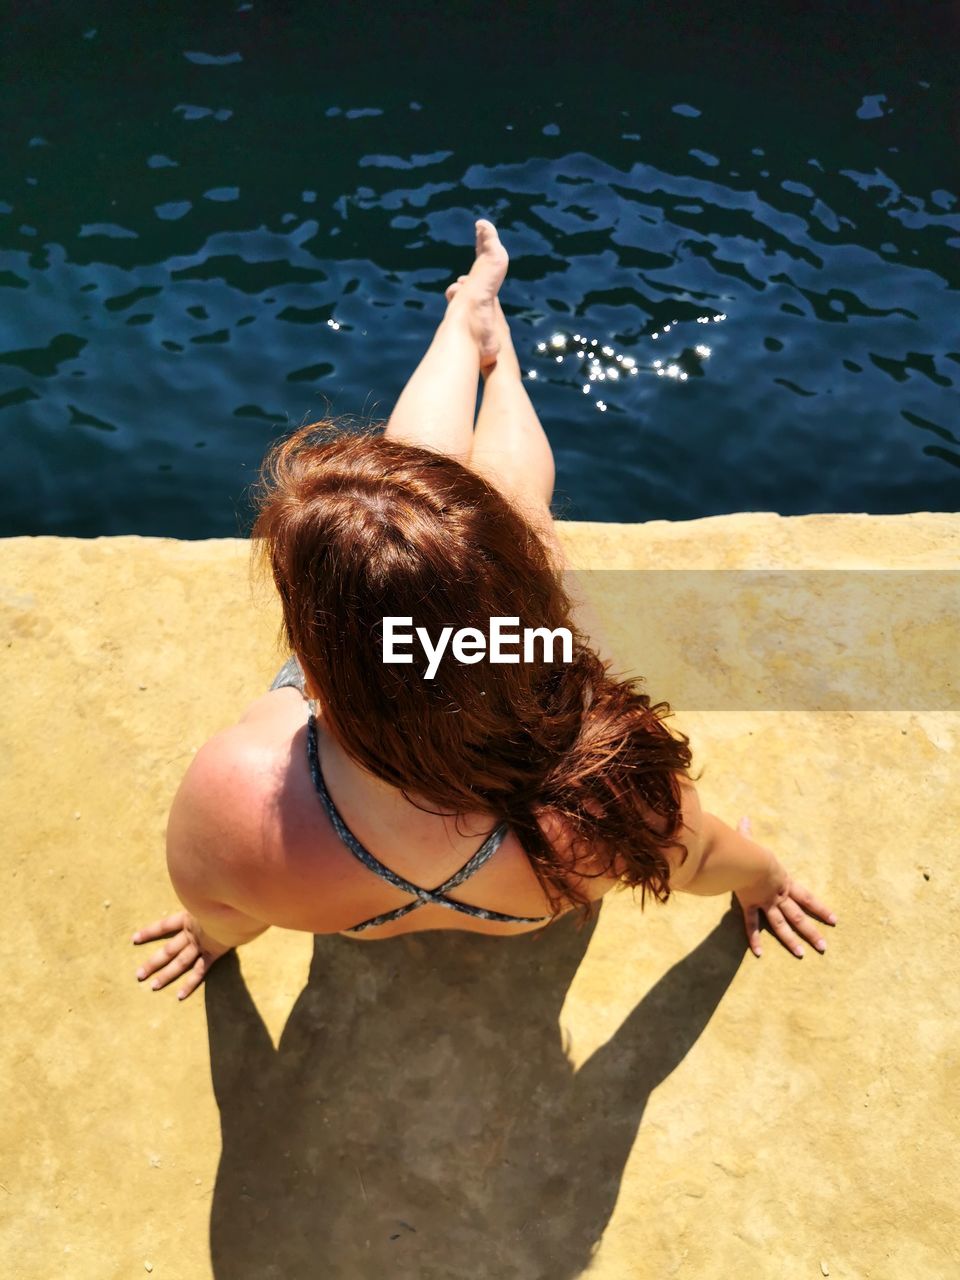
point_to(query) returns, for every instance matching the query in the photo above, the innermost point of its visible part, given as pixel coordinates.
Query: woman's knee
(525, 480)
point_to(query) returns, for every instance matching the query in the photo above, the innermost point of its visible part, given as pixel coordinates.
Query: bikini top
(421, 896)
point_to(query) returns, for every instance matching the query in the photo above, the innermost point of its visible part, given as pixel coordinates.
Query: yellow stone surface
(642, 1099)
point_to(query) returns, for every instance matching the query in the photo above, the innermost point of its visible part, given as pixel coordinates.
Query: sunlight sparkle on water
(601, 362)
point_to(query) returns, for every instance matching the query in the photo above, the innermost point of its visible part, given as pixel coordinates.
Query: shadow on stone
(420, 1117)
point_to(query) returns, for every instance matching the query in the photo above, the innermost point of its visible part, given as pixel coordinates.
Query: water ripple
(246, 251)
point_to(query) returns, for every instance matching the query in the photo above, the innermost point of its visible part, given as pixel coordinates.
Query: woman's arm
(728, 860)
(721, 860)
(206, 835)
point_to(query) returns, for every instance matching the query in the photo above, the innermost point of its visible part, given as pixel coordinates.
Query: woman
(486, 796)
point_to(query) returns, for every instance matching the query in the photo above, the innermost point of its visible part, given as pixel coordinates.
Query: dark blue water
(220, 221)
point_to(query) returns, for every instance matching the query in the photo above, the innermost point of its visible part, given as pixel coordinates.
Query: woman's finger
(167, 952)
(751, 921)
(193, 979)
(178, 965)
(159, 928)
(802, 924)
(781, 928)
(164, 955)
(812, 905)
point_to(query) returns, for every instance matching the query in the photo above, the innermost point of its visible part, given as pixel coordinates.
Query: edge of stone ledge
(768, 540)
(741, 540)
(117, 541)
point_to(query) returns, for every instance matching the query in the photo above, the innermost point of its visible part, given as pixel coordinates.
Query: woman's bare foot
(475, 294)
(505, 356)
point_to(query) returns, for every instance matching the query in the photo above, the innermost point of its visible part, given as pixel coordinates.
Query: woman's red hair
(357, 527)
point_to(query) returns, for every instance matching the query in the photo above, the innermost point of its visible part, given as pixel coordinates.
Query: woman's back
(287, 857)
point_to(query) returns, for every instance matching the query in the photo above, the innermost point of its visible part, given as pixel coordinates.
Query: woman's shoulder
(243, 752)
(237, 821)
(220, 798)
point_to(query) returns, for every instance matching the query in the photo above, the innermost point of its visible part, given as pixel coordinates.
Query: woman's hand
(785, 904)
(189, 952)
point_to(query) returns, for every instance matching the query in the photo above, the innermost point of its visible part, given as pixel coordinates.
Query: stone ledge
(398, 1108)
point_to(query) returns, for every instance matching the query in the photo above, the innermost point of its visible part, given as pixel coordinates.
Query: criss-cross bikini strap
(421, 896)
(485, 852)
(462, 908)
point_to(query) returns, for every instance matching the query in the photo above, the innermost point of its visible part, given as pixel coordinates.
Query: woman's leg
(436, 408)
(510, 446)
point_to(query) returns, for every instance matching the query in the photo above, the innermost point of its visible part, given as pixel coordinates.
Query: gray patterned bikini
(421, 896)
(291, 673)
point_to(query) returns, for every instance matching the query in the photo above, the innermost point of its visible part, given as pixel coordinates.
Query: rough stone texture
(643, 1099)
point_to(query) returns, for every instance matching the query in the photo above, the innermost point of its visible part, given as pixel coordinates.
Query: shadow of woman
(420, 1117)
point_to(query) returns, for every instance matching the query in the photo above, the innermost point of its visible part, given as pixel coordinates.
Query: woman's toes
(487, 238)
(476, 292)
(492, 260)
